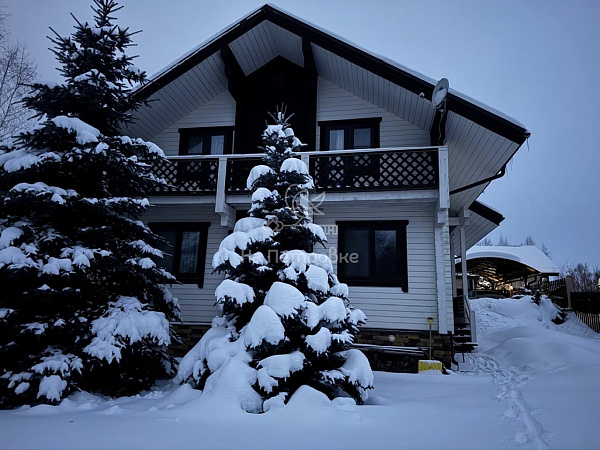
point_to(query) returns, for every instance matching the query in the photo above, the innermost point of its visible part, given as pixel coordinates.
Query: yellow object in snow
(426, 364)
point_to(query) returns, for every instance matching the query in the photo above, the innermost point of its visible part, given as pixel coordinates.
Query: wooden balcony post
(444, 183)
(304, 199)
(226, 212)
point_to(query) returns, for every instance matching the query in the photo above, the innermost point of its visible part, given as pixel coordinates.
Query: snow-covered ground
(532, 384)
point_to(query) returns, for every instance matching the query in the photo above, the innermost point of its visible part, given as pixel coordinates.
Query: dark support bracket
(312, 83)
(437, 134)
(235, 85)
(233, 72)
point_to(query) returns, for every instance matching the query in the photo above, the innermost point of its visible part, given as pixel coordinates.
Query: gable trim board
(458, 103)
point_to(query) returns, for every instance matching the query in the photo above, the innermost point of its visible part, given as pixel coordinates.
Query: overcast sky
(537, 61)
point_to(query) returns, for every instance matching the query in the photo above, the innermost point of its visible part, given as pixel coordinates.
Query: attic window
(350, 134)
(205, 141)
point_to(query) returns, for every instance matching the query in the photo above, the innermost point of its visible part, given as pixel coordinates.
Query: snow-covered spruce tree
(82, 304)
(286, 320)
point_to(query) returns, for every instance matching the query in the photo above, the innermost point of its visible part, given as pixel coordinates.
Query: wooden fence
(586, 305)
(557, 291)
(590, 319)
(587, 302)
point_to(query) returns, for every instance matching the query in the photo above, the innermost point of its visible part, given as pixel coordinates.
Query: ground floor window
(185, 251)
(373, 253)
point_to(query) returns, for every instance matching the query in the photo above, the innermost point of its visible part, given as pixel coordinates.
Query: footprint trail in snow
(509, 380)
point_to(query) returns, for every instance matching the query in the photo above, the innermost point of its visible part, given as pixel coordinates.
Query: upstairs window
(205, 141)
(350, 134)
(373, 253)
(185, 254)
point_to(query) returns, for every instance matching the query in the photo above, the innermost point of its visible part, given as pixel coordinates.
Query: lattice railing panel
(376, 170)
(237, 173)
(188, 176)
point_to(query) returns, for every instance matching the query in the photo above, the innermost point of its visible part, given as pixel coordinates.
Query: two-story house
(396, 175)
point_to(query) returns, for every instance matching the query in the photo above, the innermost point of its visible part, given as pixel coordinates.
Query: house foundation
(384, 348)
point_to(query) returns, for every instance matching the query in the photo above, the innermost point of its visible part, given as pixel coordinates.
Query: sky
(537, 61)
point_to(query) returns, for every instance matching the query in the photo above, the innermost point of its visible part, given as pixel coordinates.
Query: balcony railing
(340, 170)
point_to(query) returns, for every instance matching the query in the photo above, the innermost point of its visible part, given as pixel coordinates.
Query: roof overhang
(413, 82)
(503, 264)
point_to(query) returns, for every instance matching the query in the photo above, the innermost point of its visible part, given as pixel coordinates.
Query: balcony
(390, 169)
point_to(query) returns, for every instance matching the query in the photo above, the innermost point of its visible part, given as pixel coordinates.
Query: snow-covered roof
(528, 255)
(410, 79)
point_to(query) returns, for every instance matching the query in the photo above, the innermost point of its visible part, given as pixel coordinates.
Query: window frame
(179, 228)
(207, 133)
(348, 126)
(400, 226)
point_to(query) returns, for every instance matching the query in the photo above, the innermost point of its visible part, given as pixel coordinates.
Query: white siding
(197, 305)
(188, 92)
(385, 307)
(335, 103)
(264, 42)
(389, 307)
(218, 112)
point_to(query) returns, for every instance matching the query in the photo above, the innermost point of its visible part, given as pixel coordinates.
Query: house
(523, 266)
(397, 179)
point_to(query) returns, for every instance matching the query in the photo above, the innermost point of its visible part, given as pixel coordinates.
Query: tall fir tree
(286, 319)
(82, 303)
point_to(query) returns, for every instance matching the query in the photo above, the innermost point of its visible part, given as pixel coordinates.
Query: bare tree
(529, 241)
(584, 278)
(546, 251)
(502, 240)
(486, 242)
(17, 71)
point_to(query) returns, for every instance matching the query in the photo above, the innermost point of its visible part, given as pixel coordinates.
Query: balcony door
(354, 134)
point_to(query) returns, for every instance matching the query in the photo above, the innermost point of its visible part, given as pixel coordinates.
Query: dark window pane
(195, 144)
(386, 256)
(357, 248)
(336, 140)
(188, 262)
(166, 262)
(217, 142)
(362, 138)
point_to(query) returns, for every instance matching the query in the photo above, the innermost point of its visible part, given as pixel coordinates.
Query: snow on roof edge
(384, 59)
(488, 206)
(530, 255)
(196, 49)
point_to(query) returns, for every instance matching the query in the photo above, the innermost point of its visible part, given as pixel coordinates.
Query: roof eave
(394, 74)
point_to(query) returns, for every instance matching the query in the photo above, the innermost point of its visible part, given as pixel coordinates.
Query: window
(373, 253)
(185, 255)
(350, 134)
(205, 141)
(347, 135)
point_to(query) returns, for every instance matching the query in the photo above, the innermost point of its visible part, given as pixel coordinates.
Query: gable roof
(412, 81)
(481, 141)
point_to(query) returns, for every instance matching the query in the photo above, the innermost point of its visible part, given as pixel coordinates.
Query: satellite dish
(438, 98)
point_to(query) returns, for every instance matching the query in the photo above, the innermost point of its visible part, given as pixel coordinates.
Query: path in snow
(521, 413)
(546, 372)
